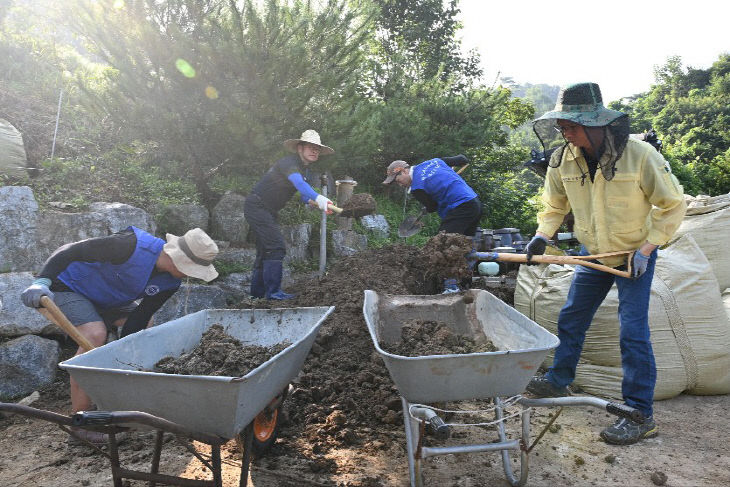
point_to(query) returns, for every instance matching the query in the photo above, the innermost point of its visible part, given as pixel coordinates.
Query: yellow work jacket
(643, 202)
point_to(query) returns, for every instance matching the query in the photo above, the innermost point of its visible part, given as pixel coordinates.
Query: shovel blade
(410, 227)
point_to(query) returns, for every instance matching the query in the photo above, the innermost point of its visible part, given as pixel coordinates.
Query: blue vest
(442, 184)
(110, 285)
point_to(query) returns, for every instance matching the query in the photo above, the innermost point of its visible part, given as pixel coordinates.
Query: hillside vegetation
(171, 100)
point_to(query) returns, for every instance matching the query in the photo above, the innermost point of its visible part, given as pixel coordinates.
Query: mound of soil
(433, 338)
(444, 255)
(343, 374)
(219, 354)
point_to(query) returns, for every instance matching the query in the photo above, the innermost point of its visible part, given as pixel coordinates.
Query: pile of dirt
(344, 389)
(219, 354)
(420, 338)
(444, 255)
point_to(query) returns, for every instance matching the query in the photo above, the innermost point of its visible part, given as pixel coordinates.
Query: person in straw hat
(272, 192)
(439, 188)
(117, 283)
(624, 198)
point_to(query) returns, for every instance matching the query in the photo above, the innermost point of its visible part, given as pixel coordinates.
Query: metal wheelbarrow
(210, 409)
(523, 345)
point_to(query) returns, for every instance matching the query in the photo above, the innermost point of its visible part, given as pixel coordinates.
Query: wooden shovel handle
(331, 206)
(54, 314)
(557, 259)
(461, 169)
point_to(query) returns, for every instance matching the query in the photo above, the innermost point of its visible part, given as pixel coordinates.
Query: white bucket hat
(311, 137)
(193, 254)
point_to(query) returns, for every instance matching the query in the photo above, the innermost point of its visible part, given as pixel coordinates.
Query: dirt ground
(344, 425)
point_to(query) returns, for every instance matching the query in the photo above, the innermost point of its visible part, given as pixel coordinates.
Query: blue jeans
(587, 291)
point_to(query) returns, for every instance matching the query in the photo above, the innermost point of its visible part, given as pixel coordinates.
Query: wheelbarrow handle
(554, 259)
(624, 411)
(54, 314)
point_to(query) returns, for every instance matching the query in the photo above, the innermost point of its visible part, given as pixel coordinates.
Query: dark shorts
(80, 310)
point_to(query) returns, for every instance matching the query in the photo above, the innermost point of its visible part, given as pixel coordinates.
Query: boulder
(348, 242)
(227, 221)
(19, 217)
(119, 216)
(297, 239)
(57, 228)
(189, 299)
(377, 224)
(235, 286)
(178, 219)
(15, 318)
(235, 258)
(27, 363)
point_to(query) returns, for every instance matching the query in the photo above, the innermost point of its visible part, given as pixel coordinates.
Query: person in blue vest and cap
(439, 188)
(106, 283)
(261, 209)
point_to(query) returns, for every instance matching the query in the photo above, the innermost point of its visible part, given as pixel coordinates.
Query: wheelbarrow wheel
(266, 425)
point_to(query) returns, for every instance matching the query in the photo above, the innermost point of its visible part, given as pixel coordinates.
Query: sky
(614, 43)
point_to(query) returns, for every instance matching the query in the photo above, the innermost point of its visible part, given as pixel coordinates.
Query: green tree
(690, 110)
(415, 41)
(219, 84)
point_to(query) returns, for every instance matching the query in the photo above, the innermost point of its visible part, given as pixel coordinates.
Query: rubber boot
(273, 271)
(451, 285)
(257, 283)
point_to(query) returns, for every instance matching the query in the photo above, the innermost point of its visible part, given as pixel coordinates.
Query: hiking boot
(81, 436)
(540, 386)
(627, 432)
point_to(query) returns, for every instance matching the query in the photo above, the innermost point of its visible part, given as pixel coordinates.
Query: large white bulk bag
(12, 151)
(690, 330)
(708, 221)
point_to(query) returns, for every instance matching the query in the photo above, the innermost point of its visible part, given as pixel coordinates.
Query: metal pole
(323, 233)
(58, 117)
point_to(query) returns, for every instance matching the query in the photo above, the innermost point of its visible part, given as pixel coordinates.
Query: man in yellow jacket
(623, 197)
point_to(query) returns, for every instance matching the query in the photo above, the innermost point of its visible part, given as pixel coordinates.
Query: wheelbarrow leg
(155, 468)
(524, 467)
(246, 438)
(215, 451)
(114, 460)
(413, 440)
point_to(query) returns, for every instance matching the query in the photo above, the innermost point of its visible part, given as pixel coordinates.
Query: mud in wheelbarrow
(117, 376)
(424, 380)
(206, 409)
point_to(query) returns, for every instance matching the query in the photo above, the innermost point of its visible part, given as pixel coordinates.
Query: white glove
(32, 295)
(322, 202)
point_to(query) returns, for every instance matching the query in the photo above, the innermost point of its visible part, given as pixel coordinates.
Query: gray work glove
(535, 247)
(31, 297)
(639, 262)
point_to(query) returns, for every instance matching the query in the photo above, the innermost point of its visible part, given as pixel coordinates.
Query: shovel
(55, 315)
(583, 260)
(353, 211)
(411, 225)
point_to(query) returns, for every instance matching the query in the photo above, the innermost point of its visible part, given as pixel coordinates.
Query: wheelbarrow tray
(116, 375)
(522, 344)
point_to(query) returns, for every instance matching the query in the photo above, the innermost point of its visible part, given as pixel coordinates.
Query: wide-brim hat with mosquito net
(310, 137)
(582, 103)
(193, 254)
